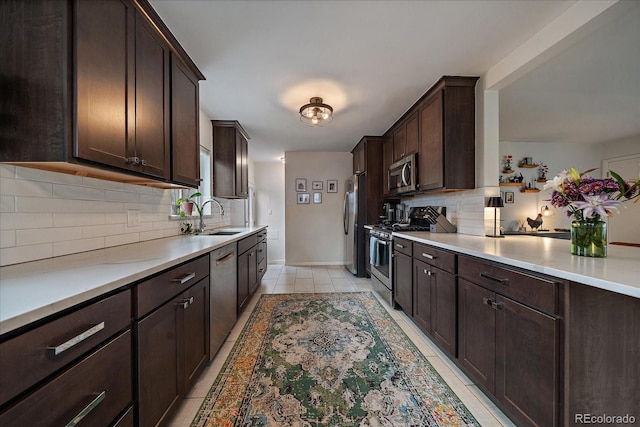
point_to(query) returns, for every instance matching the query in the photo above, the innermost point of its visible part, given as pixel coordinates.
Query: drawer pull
(77, 339)
(496, 305)
(486, 301)
(90, 407)
(184, 279)
(135, 160)
(427, 272)
(428, 256)
(185, 302)
(398, 245)
(495, 279)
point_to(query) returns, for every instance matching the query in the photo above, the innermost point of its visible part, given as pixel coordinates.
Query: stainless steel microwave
(403, 176)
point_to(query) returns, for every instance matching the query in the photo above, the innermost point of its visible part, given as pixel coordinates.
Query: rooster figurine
(535, 223)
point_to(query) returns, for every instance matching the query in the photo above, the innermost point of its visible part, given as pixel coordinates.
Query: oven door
(382, 269)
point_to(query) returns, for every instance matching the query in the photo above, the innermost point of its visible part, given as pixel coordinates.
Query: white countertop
(34, 290)
(618, 272)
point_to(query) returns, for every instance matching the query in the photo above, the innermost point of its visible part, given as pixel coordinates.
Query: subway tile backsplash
(46, 214)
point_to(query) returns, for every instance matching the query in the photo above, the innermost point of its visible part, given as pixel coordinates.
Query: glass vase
(589, 238)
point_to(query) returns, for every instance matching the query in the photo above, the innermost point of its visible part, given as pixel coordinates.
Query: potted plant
(185, 204)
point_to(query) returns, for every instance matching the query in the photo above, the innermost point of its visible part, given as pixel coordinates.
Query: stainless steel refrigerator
(353, 221)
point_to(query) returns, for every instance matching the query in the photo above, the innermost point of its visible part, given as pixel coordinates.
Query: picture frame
(316, 185)
(509, 197)
(301, 185)
(332, 186)
(317, 198)
(303, 198)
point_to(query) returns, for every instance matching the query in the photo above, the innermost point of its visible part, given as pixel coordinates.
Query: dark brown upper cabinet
(93, 91)
(230, 157)
(446, 159)
(367, 160)
(405, 138)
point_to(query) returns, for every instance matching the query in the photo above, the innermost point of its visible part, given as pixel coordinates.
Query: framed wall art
(301, 184)
(316, 185)
(508, 197)
(317, 197)
(332, 186)
(303, 198)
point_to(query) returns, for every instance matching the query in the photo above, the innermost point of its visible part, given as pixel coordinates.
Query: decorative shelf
(508, 171)
(541, 180)
(511, 184)
(527, 166)
(530, 190)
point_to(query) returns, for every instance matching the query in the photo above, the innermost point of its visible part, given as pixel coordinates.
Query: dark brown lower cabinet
(402, 281)
(172, 347)
(512, 351)
(434, 304)
(252, 265)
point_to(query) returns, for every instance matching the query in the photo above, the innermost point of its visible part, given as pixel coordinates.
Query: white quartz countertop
(35, 290)
(618, 272)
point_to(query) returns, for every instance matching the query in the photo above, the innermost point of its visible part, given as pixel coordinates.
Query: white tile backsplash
(46, 214)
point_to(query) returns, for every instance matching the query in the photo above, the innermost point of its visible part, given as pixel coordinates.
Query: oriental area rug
(335, 359)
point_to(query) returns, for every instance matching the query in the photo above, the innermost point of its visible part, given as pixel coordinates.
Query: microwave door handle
(405, 179)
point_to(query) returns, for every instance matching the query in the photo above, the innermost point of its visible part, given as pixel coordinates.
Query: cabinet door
(158, 361)
(185, 144)
(399, 142)
(104, 48)
(359, 162)
(387, 160)
(527, 344)
(431, 158)
(444, 309)
(412, 140)
(402, 282)
(477, 343)
(241, 171)
(243, 279)
(253, 270)
(422, 295)
(195, 337)
(152, 128)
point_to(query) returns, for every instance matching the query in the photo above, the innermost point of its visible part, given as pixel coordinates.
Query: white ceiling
(588, 93)
(370, 60)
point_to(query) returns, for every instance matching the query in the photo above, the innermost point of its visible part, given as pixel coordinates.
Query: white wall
(270, 203)
(314, 232)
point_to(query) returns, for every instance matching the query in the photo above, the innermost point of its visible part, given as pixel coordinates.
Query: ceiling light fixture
(315, 113)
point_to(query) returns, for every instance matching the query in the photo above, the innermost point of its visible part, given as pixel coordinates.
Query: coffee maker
(389, 211)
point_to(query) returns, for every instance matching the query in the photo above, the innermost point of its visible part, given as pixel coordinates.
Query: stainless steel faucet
(202, 224)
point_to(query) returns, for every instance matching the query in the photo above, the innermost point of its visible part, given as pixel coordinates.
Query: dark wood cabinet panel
(431, 157)
(403, 281)
(230, 157)
(387, 161)
(399, 142)
(91, 92)
(423, 303)
(195, 332)
(412, 140)
(252, 264)
(527, 352)
(152, 84)
(185, 141)
(444, 314)
(243, 279)
(359, 158)
(367, 161)
(105, 82)
(476, 333)
(158, 347)
(101, 380)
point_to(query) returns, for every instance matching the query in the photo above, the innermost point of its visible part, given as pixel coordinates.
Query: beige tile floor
(287, 279)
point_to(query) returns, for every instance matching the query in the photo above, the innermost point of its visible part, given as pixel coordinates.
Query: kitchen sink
(222, 233)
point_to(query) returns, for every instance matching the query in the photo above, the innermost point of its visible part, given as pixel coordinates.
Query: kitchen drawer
(99, 385)
(435, 257)
(402, 245)
(262, 235)
(32, 356)
(126, 420)
(247, 243)
(535, 291)
(156, 291)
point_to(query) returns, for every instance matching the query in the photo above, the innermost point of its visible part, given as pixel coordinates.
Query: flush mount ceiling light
(315, 113)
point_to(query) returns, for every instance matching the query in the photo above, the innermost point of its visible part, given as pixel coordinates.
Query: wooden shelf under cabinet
(527, 166)
(511, 184)
(530, 190)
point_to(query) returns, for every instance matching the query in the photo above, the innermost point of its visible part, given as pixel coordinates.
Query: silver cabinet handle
(90, 407)
(184, 279)
(185, 303)
(77, 339)
(143, 162)
(427, 272)
(428, 256)
(135, 160)
(398, 245)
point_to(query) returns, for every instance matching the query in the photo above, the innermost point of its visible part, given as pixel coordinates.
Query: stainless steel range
(427, 218)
